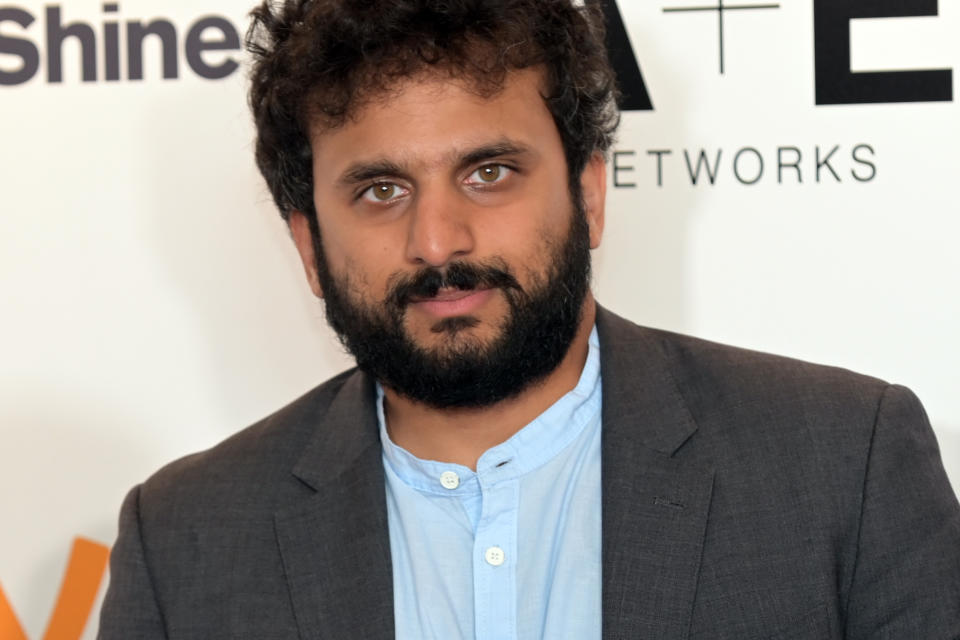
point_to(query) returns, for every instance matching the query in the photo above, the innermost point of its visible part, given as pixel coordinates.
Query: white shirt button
(449, 480)
(495, 556)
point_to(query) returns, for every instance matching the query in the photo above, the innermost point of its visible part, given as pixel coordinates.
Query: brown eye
(382, 192)
(489, 174)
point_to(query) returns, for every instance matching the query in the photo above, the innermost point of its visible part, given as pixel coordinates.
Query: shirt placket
(495, 561)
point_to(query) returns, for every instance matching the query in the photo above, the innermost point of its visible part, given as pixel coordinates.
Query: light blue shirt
(511, 551)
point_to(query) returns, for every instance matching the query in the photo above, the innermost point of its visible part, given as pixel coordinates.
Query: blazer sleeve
(906, 579)
(130, 608)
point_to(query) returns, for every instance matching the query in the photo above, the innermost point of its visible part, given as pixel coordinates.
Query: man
(510, 460)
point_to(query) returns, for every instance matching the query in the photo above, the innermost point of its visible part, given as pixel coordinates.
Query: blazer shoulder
(729, 389)
(702, 368)
(708, 370)
(265, 450)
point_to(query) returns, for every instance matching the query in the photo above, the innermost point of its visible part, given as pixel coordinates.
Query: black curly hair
(316, 61)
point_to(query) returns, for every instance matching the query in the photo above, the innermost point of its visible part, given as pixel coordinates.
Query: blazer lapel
(335, 544)
(655, 505)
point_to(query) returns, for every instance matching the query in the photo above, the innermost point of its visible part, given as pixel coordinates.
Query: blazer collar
(642, 402)
(335, 544)
(349, 429)
(655, 503)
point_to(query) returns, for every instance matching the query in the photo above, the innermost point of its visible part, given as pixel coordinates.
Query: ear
(303, 239)
(593, 185)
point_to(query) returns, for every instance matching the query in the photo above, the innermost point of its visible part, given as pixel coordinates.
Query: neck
(462, 435)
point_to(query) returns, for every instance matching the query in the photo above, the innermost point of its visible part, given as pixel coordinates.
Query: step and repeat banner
(785, 179)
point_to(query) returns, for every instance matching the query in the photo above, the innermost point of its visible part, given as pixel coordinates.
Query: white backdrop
(152, 303)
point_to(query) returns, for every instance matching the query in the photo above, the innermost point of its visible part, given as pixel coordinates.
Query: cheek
(365, 257)
(529, 252)
(367, 265)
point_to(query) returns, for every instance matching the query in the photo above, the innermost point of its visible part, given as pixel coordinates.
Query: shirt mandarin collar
(531, 447)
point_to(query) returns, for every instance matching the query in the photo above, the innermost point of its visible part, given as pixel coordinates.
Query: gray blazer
(744, 496)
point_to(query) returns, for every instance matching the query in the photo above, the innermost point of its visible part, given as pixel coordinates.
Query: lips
(449, 295)
(449, 302)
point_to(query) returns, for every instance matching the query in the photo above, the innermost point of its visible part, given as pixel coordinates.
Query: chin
(463, 334)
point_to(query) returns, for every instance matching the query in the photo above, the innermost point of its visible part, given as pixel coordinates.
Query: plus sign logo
(720, 8)
(835, 82)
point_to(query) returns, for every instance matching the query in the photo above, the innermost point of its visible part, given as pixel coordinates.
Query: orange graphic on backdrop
(88, 562)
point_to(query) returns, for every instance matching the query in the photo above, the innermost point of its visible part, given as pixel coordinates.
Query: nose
(439, 227)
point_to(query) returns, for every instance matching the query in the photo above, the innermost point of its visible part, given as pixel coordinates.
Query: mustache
(458, 275)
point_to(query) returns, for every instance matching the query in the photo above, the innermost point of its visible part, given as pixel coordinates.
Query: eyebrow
(492, 151)
(365, 171)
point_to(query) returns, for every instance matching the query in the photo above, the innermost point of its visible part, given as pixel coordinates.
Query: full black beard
(533, 339)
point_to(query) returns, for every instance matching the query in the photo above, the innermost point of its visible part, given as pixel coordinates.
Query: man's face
(454, 261)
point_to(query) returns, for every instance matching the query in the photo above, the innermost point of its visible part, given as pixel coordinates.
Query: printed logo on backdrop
(204, 46)
(110, 49)
(74, 604)
(835, 84)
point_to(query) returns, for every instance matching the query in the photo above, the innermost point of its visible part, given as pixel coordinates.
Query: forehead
(429, 120)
